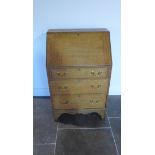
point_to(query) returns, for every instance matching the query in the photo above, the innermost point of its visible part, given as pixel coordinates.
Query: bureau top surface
(78, 30)
(77, 47)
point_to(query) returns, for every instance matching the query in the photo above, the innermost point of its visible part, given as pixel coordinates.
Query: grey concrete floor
(78, 134)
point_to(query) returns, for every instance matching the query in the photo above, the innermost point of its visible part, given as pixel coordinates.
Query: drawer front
(62, 87)
(79, 73)
(79, 101)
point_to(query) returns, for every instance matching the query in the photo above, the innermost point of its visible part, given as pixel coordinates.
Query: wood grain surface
(79, 101)
(79, 72)
(79, 65)
(87, 86)
(78, 48)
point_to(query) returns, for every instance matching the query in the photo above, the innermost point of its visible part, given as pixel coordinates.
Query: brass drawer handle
(64, 74)
(99, 73)
(94, 102)
(58, 73)
(98, 86)
(63, 87)
(92, 86)
(97, 101)
(92, 72)
(66, 102)
(61, 74)
(91, 101)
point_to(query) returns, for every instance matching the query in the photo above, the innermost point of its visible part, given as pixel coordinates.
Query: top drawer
(96, 72)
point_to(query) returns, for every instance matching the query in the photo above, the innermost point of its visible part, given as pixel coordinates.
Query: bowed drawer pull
(64, 73)
(58, 73)
(99, 73)
(92, 72)
(78, 95)
(97, 101)
(61, 74)
(66, 102)
(91, 101)
(64, 87)
(98, 86)
(92, 86)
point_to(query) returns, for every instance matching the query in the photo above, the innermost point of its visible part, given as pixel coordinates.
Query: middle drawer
(69, 87)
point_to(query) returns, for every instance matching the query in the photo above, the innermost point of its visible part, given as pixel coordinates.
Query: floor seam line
(115, 117)
(45, 144)
(84, 128)
(113, 136)
(56, 139)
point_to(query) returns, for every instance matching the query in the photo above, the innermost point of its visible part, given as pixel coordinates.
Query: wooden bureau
(79, 64)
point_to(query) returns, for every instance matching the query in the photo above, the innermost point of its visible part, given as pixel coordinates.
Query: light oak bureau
(79, 64)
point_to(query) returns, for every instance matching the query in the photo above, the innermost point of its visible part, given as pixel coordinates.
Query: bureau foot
(58, 113)
(101, 114)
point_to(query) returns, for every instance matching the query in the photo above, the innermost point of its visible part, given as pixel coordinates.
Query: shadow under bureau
(79, 64)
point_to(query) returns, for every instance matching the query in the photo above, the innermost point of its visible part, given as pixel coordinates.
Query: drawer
(60, 87)
(79, 101)
(79, 72)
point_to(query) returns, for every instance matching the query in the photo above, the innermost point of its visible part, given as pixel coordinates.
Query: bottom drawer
(79, 101)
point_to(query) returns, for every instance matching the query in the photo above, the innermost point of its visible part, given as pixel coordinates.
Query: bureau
(79, 64)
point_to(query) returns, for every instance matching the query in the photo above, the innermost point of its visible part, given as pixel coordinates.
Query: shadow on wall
(39, 63)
